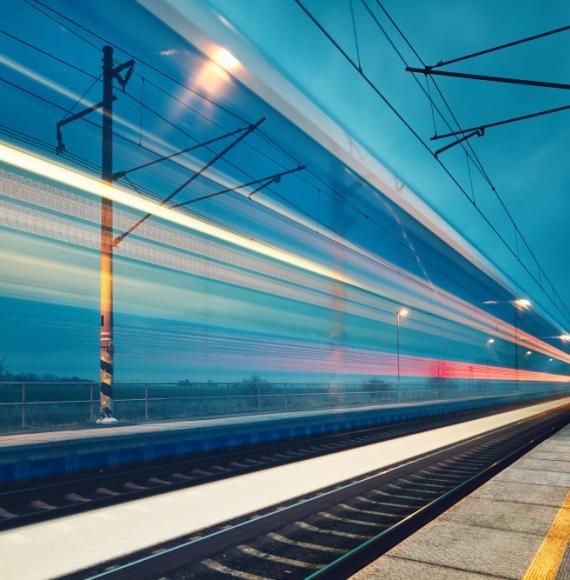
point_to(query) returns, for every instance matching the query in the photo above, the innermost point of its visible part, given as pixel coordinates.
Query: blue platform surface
(27, 456)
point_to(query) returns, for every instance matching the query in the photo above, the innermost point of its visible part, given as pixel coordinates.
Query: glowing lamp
(225, 59)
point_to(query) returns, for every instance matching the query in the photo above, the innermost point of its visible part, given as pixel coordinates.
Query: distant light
(565, 337)
(491, 341)
(522, 303)
(490, 302)
(528, 352)
(550, 359)
(226, 59)
(403, 312)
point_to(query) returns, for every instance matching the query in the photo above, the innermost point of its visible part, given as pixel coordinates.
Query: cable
(80, 98)
(93, 168)
(333, 192)
(501, 46)
(355, 34)
(138, 59)
(479, 165)
(261, 133)
(373, 86)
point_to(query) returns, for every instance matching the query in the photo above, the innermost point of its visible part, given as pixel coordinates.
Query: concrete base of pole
(107, 421)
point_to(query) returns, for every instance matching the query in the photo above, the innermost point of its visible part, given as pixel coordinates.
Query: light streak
(61, 174)
(365, 297)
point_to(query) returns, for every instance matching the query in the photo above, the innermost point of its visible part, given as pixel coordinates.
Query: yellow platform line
(551, 552)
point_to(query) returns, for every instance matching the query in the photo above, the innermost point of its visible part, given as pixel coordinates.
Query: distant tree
(376, 387)
(439, 380)
(7, 376)
(253, 386)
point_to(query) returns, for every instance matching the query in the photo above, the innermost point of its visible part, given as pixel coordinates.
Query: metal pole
(398, 354)
(23, 406)
(146, 402)
(516, 349)
(106, 336)
(91, 401)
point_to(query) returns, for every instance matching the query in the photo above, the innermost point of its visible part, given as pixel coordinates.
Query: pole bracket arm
(60, 148)
(117, 175)
(480, 132)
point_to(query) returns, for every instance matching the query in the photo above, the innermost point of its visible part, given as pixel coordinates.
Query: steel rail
(221, 540)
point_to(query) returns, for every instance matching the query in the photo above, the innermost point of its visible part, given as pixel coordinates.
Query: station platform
(517, 525)
(26, 456)
(59, 546)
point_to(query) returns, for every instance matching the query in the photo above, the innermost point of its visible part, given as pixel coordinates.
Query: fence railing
(46, 405)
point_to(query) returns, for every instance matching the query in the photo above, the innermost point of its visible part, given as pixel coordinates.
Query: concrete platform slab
(524, 493)
(533, 464)
(502, 553)
(536, 477)
(503, 515)
(552, 455)
(392, 568)
(499, 531)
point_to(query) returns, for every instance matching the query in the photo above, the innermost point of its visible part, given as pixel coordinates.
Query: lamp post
(401, 313)
(490, 341)
(519, 305)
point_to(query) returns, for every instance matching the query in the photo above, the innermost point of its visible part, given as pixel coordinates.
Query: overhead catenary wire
(379, 93)
(355, 34)
(501, 46)
(94, 168)
(333, 192)
(329, 190)
(479, 165)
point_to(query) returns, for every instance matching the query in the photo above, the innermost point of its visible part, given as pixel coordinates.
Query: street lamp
(490, 341)
(519, 304)
(401, 313)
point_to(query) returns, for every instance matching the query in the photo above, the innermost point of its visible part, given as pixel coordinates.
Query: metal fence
(44, 405)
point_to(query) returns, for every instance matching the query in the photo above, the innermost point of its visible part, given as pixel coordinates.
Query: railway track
(21, 505)
(336, 532)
